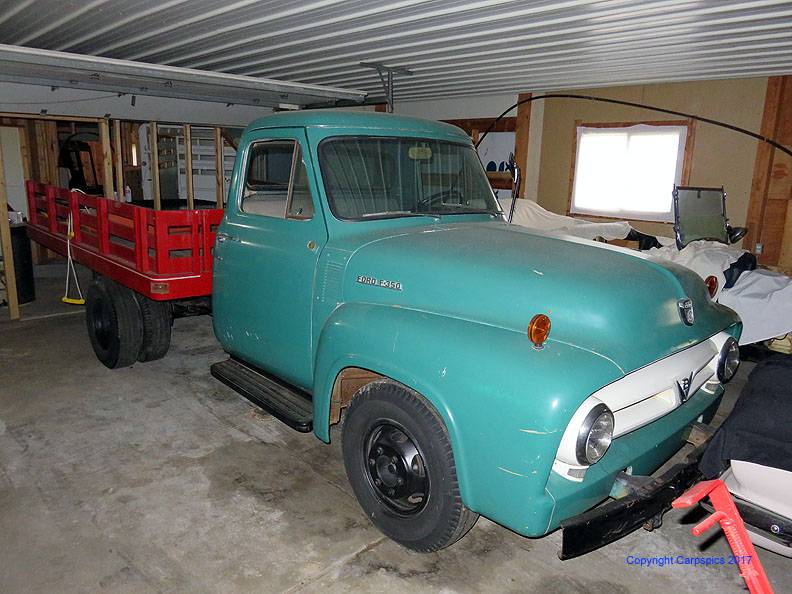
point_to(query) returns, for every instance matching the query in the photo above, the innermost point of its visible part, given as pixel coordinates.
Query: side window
(276, 181)
(300, 203)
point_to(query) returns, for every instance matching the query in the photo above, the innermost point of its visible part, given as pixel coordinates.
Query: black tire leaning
(443, 519)
(157, 319)
(115, 326)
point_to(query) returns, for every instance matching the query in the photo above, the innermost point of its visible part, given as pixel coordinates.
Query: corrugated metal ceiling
(454, 47)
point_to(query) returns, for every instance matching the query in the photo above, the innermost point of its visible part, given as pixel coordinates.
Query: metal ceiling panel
(454, 47)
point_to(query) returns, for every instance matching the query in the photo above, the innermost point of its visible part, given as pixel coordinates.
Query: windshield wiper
(491, 213)
(394, 214)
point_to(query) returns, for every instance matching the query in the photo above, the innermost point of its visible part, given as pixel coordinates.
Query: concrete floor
(157, 478)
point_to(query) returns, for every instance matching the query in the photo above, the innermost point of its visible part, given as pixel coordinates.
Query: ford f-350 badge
(374, 282)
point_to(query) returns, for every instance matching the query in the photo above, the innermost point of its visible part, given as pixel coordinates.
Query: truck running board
(285, 403)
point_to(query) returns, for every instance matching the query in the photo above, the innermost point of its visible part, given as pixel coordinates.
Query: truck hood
(614, 302)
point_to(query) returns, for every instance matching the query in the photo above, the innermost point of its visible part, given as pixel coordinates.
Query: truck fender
(505, 404)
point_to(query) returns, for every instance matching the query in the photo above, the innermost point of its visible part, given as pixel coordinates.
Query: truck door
(265, 257)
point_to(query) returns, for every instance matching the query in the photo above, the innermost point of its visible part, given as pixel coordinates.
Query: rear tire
(157, 318)
(398, 459)
(114, 323)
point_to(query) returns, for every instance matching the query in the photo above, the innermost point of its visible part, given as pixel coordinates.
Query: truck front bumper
(645, 506)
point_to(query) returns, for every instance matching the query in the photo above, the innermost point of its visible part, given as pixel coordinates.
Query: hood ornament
(685, 307)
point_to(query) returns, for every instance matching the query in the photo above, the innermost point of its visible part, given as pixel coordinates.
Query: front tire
(114, 323)
(398, 459)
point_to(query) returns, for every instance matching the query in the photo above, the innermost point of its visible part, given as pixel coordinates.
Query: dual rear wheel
(125, 327)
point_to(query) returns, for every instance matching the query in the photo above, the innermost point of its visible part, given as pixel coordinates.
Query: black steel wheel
(114, 323)
(396, 469)
(398, 459)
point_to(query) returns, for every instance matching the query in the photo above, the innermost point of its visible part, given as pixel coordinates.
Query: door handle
(221, 237)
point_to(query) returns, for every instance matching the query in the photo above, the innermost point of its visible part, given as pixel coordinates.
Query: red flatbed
(162, 254)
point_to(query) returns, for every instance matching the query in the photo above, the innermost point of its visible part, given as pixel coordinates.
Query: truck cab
(363, 271)
(274, 251)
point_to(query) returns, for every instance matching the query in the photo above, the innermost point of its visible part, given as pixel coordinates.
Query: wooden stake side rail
(163, 254)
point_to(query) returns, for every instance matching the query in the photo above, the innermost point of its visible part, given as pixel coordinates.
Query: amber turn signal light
(712, 285)
(539, 329)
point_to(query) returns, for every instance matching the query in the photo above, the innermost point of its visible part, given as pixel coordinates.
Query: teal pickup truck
(363, 271)
(364, 274)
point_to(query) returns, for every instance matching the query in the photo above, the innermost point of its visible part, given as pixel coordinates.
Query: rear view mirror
(419, 153)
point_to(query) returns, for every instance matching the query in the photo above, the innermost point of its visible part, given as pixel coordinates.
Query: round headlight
(595, 435)
(728, 360)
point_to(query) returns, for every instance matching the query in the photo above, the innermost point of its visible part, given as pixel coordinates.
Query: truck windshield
(380, 177)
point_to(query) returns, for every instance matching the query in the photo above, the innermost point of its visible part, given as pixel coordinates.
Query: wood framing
(219, 166)
(572, 165)
(229, 139)
(130, 146)
(38, 116)
(687, 163)
(107, 159)
(155, 177)
(24, 148)
(5, 243)
(112, 155)
(188, 167)
(479, 125)
(45, 135)
(767, 209)
(118, 156)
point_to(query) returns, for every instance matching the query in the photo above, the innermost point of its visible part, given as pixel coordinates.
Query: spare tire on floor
(114, 321)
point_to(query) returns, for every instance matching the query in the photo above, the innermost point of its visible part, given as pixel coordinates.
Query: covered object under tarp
(759, 429)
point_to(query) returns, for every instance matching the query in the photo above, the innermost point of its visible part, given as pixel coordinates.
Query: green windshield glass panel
(367, 177)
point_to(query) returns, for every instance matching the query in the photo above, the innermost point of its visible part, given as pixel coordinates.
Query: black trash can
(23, 264)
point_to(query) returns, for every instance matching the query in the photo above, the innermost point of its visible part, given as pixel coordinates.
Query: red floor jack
(728, 517)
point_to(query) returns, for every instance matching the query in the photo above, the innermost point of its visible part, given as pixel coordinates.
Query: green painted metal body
(456, 332)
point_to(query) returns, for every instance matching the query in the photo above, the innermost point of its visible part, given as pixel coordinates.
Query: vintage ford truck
(363, 272)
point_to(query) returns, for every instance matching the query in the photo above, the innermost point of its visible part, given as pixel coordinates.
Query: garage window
(628, 171)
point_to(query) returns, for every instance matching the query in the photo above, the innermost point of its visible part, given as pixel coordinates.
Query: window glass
(628, 172)
(374, 177)
(276, 181)
(300, 203)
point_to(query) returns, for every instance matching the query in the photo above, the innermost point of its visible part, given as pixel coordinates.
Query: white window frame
(685, 129)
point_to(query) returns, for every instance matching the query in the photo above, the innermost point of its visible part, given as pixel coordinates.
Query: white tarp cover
(705, 258)
(528, 213)
(762, 299)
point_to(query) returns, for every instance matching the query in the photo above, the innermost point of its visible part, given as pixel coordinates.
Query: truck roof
(357, 119)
